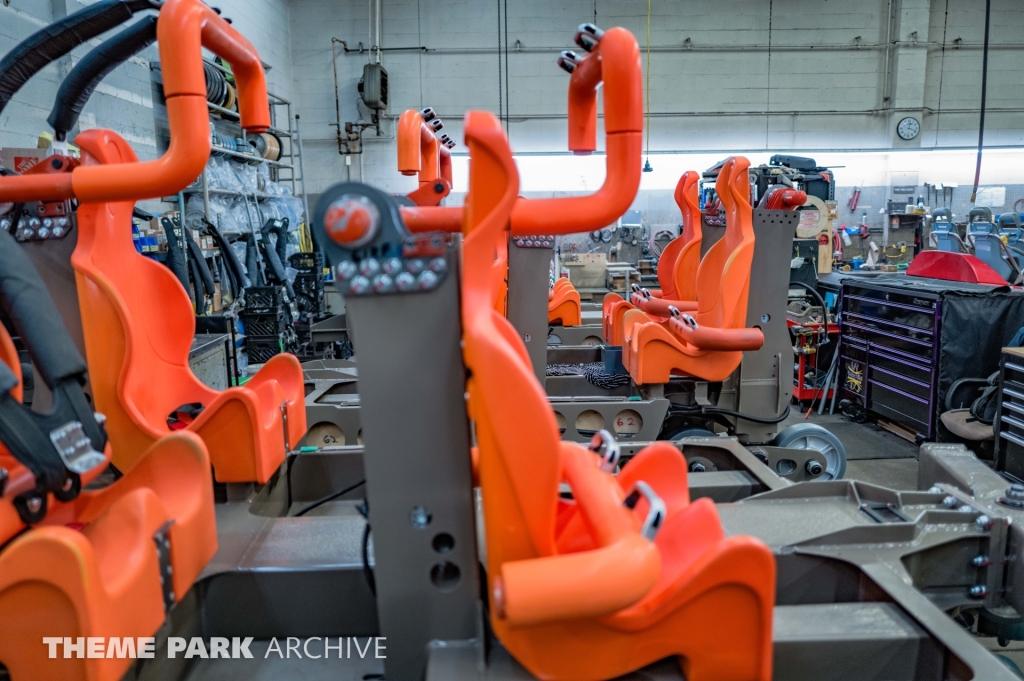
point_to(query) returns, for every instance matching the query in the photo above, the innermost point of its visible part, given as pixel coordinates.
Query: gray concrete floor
(873, 454)
(269, 665)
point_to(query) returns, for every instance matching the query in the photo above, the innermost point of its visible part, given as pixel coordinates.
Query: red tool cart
(812, 359)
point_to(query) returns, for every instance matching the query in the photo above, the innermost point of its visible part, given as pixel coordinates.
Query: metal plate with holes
(529, 266)
(534, 241)
(580, 417)
(75, 449)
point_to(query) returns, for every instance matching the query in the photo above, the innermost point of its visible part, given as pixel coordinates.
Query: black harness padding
(252, 262)
(240, 281)
(26, 433)
(177, 261)
(277, 256)
(52, 42)
(78, 86)
(201, 272)
(227, 280)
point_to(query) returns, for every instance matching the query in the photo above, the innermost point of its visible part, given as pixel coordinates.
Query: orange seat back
(564, 304)
(137, 320)
(518, 466)
(723, 277)
(684, 269)
(667, 263)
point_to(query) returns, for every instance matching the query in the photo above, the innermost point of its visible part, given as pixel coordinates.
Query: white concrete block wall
(265, 24)
(712, 96)
(124, 100)
(25, 116)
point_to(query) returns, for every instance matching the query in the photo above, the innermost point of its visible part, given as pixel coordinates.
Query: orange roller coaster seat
(710, 344)
(677, 269)
(578, 589)
(684, 253)
(613, 307)
(564, 304)
(90, 568)
(138, 326)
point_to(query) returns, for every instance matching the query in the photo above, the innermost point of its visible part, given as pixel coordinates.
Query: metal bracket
(284, 426)
(534, 241)
(162, 540)
(75, 448)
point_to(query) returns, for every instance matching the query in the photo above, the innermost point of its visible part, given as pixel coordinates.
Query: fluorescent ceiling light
(584, 174)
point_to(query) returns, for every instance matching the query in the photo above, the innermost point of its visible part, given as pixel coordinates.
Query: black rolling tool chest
(905, 340)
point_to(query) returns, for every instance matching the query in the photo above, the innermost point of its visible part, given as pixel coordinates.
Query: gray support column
(529, 264)
(418, 469)
(763, 385)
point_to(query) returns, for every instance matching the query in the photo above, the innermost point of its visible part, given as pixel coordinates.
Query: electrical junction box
(374, 86)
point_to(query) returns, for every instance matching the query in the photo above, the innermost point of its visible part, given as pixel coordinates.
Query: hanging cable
(984, 88)
(768, 81)
(647, 95)
(501, 101)
(942, 74)
(508, 99)
(330, 497)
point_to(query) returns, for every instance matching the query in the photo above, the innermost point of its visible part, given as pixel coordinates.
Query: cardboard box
(21, 159)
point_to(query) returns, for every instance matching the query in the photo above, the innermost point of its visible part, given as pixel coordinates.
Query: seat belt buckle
(657, 511)
(75, 448)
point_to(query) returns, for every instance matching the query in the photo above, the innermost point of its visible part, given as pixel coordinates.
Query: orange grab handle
(540, 590)
(419, 151)
(615, 62)
(577, 585)
(597, 494)
(424, 219)
(711, 338)
(659, 306)
(183, 27)
(574, 214)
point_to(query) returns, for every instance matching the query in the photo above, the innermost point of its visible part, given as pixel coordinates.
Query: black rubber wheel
(1011, 665)
(688, 431)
